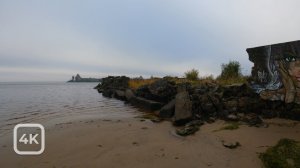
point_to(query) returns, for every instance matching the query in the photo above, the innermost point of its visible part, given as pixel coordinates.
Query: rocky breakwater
(190, 105)
(148, 97)
(113, 86)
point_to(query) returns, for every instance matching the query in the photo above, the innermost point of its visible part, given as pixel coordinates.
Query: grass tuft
(229, 81)
(286, 154)
(136, 83)
(229, 126)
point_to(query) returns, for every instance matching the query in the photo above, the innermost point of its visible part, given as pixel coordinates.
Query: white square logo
(29, 139)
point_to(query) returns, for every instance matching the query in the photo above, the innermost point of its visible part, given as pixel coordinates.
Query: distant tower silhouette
(77, 78)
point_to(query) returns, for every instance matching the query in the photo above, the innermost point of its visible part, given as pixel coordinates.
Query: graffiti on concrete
(276, 71)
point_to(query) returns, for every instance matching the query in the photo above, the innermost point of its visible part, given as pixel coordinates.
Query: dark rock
(253, 104)
(253, 119)
(168, 110)
(184, 87)
(98, 86)
(237, 90)
(107, 92)
(269, 113)
(231, 145)
(143, 91)
(231, 105)
(162, 90)
(292, 111)
(119, 94)
(129, 94)
(190, 128)
(206, 100)
(185, 131)
(211, 120)
(232, 117)
(211, 104)
(112, 83)
(183, 108)
(206, 88)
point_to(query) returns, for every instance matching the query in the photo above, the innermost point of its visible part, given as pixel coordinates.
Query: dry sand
(130, 143)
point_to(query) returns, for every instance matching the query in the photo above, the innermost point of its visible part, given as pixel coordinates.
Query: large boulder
(183, 108)
(143, 91)
(291, 111)
(189, 128)
(207, 102)
(237, 90)
(107, 92)
(115, 82)
(129, 94)
(119, 94)
(162, 90)
(231, 105)
(111, 83)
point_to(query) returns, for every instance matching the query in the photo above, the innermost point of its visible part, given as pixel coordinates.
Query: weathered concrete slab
(276, 71)
(145, 103)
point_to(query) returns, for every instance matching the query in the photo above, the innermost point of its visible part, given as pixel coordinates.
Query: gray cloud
(96, 38)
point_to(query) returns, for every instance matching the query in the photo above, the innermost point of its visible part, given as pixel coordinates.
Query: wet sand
(130, 143)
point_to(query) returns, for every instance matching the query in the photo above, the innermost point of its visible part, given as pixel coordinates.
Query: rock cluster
(183, 103)
(113, 86)
(162, 91)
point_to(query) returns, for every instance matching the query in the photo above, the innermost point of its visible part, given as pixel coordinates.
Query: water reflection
(42, 102)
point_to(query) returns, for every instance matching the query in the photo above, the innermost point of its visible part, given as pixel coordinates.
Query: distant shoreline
(78, 78)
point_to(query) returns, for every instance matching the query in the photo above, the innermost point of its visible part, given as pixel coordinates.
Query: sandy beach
(137, 143)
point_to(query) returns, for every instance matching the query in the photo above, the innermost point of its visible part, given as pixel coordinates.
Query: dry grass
(229, 81)
(136, 83)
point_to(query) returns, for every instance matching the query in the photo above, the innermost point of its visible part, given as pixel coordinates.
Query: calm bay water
(55, 101)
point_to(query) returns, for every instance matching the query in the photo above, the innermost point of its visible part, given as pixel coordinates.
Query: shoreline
(133, 142)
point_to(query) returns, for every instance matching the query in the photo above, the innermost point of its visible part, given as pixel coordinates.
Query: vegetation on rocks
(192, 74)
(285, 154)
(231, 73)
(138, 82)
(183, 100)
(231, 70)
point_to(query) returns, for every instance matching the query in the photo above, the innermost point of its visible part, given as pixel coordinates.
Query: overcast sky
(53, 40)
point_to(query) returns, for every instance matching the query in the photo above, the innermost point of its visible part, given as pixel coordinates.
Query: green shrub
(231, 70)
(192, 74)
(286, 154)
(231, 73)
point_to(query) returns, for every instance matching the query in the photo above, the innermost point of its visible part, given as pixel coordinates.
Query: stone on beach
(183, 108)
